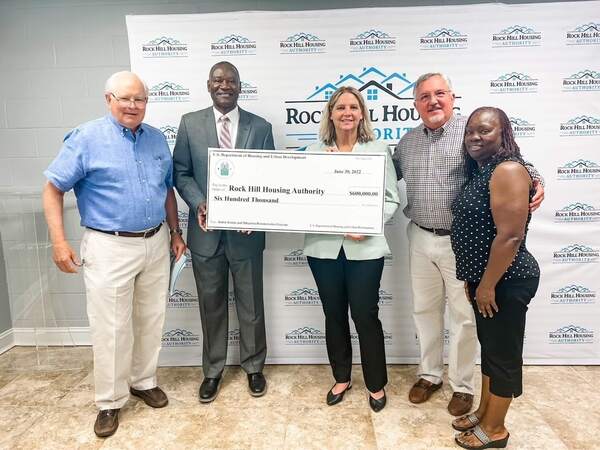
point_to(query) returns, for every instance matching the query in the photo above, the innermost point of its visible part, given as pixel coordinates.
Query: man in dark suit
(215, 252)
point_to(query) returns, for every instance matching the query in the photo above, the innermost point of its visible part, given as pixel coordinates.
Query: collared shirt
(432, 165)
(120, 178)
(234, 121)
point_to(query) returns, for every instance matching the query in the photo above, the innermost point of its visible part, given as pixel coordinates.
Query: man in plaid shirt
(430, 159)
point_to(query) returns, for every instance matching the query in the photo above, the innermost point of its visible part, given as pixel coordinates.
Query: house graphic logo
(224, 168)
(164, 47)
(517, 36)
(233, 337)
(580, 169)
(443, 39)
(573, 294)
(576, 253)
(388, 96)
(183, 219)
(182, 299)
(387, 338)
(170, 134)
(295, 258)
(571, 334)
(522, 128)
(584, 80)
(577, 212)
(305, 336)
(372, 41)
(302, 43)
(233, 45)
(581, 126)
(586, 34)
(180, 337)
(248, 91)
(303, 297)
(168, 92)
(514, 83)
(385, 298)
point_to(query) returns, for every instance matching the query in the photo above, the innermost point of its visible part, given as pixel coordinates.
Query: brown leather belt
(145, 234)
(436, 231)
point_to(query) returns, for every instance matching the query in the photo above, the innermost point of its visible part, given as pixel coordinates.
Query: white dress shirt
(234, 120)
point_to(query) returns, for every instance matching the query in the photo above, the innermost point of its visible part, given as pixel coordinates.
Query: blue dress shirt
(120, 178)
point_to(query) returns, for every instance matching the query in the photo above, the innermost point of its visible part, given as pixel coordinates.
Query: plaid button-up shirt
(432, 165)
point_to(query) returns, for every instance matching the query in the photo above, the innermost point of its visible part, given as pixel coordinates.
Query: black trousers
(501, 337)
(342, 283)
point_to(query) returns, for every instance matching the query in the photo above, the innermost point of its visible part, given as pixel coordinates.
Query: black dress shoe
(257, 384)
(209, 389)
(334, 399)
(377, 404)
(107, 422)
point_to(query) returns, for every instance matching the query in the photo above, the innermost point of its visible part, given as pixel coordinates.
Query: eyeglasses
(424, 98)
(138, 102)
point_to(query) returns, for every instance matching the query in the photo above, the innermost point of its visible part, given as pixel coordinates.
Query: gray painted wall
(54, 58)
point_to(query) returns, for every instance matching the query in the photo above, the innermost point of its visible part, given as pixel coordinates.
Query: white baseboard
(7, 341)
(52, 336)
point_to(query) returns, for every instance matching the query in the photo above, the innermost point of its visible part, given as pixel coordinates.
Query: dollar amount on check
(291, 191)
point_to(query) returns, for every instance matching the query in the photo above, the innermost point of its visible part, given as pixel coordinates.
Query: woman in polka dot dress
(501, 277)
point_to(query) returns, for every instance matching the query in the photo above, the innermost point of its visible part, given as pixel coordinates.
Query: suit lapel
(210, 128)
(243, 130)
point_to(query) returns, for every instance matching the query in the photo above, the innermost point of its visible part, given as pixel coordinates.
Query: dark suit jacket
(197, 132)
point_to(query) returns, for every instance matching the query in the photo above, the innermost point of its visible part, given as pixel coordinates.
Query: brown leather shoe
(154, 397)
(460, 403)
(107, 422)
(422, 390)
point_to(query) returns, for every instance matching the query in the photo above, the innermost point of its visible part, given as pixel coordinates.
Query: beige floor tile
(589, 373)
(7, 377)
(40, 388)
(529, 430)
(46, 358)
(329, 428)
(16, 420)
(61, 428)
(180, 383)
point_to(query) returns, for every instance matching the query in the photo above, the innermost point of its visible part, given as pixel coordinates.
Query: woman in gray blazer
(347, 268)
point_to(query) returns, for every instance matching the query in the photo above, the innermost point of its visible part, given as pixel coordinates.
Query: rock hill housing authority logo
(577, 212)
(514, 83)
(572, 295)
(182, 299)
(571, 334)
(168, 91)
(584, 80)
(180, 338)
(303, 297)
(164, 47)
(522, 128)
(170, 133)
(372, 41)
(586, 34)
(233, 45)
(576, 253)
(248, 91)
(443, 39)
(302, 43)
(580, 169)
(517, 36)
(388, 96)
(581, 126)
(295, 258)
(305, 336)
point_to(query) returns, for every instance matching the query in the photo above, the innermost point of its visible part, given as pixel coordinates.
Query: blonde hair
(327, 130)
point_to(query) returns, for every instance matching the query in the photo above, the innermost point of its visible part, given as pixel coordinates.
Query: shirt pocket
(159, 168)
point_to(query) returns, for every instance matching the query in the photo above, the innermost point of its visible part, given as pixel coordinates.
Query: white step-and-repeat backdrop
(538, 62)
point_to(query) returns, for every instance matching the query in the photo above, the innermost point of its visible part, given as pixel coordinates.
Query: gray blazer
(197, 132)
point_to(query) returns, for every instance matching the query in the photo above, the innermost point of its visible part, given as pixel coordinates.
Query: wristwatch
(176, 230)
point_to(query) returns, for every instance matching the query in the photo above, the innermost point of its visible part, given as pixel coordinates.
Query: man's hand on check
(202, 217)
(355, 237)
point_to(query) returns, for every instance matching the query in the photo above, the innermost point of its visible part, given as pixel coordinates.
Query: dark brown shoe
(107, 422)
(154, 397)
(422, 390)
(460, 403)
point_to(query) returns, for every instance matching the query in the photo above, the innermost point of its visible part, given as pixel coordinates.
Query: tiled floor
(53, 408)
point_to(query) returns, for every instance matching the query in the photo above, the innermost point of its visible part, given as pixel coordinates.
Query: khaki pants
(433, 277)
(126, 281)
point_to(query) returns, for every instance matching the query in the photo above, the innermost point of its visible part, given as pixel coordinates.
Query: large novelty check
(267, 190)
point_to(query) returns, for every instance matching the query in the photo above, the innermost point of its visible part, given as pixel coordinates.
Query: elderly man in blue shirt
(121, 172)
